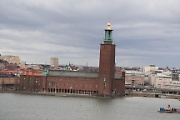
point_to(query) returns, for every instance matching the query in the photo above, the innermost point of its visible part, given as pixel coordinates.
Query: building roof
(63, 73)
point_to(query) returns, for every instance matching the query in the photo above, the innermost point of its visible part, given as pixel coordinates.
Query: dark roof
(6, 75)
(72, 74)
(63, 73)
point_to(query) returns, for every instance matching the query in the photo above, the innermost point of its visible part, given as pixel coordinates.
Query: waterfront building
(160, 80)
(8, 82)
(164, 79)
(103, 83)
(134, 78)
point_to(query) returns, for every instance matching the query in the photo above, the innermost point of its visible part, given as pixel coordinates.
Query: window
(51, 83)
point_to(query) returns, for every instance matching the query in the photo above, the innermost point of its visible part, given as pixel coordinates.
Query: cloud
(145, 32)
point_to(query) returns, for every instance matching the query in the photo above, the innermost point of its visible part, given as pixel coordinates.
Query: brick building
(103, 83)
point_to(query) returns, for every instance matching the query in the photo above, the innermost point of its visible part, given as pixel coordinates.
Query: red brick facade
(74, 85)
(106, 69)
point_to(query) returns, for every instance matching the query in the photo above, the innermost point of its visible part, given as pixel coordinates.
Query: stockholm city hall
(106, 82)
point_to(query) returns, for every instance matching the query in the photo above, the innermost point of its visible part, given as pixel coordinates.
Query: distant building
(160, 80)
(13, 60)
(175, 75)
(0, 57)
(33, 66)
(149, 69)
(54, 62)
(3, 64)
(134, 78)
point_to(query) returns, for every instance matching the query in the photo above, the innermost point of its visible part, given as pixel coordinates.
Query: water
(33, 107)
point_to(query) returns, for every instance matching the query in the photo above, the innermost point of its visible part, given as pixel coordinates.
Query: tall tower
(106, 64)
(54, 62)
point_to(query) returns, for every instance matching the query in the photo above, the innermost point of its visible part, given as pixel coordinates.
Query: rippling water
(33, 107)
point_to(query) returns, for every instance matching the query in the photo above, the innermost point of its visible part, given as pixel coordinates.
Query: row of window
(71, 85)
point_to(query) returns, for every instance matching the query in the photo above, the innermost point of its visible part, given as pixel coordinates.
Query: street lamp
(70, 89)
(36, 85)
(55, 88)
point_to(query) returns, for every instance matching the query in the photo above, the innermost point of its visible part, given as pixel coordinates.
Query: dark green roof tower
(108, 35)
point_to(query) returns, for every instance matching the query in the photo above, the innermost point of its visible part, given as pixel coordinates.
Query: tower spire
(108, 26)
(108, 34)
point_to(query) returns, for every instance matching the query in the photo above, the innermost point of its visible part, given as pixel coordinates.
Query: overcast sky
(145, 31)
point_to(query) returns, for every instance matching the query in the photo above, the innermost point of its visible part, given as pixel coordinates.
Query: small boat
(172, 110)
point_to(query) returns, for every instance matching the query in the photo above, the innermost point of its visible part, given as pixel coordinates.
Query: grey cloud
(144, 31)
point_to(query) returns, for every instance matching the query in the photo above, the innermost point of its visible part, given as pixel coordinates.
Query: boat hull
(169, 112)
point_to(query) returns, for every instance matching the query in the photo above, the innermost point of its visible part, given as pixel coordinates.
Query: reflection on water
(32, 107)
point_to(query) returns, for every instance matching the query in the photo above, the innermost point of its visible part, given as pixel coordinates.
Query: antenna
(108, 18)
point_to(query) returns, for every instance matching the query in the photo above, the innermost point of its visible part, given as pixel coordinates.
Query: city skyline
(145, 32)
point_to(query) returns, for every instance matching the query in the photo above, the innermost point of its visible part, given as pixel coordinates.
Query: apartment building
(134, 78)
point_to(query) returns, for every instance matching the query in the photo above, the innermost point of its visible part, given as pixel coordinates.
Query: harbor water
(38, 107)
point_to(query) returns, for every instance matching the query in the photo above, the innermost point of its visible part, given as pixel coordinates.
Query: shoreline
(131, 94)
(154, 95)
